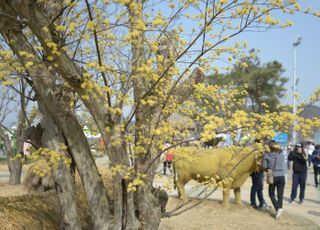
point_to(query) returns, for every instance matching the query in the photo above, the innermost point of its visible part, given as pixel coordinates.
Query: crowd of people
(274, 161)
(301, 158)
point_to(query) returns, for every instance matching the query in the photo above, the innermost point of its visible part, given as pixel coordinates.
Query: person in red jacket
(168, 159)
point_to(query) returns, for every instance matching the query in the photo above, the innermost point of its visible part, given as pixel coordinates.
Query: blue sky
(276, 44)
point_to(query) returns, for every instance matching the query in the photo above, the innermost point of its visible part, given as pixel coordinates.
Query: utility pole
(295, 45)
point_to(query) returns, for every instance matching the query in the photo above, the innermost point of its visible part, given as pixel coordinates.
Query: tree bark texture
(64, 182)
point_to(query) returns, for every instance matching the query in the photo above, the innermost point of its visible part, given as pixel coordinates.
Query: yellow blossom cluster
(128, 173)
(315, 96)
(52, 158)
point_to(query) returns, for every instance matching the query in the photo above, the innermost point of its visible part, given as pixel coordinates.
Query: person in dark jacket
(316, 164)
(299, 175)
(257, 190)
(275, 161)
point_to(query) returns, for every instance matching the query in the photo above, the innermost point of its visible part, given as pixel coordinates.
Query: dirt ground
(11, 190)
(211, 215)
(4, 167)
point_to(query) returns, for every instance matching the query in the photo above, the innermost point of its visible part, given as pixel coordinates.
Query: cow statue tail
(174, 176)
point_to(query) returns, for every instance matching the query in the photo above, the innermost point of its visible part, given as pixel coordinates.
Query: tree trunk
(131, 219)
(16, 165)
(124, 208)
(118, 201)
(64, 182)
(149, 211)
(88, 171)
(15, 168)
(147, 207)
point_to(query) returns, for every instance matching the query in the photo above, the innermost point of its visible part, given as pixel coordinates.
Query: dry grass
(41, 210)
(29, 212)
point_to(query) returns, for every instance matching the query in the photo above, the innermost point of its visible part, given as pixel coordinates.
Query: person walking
(316, 164)
(257, 190)
(309, 148)
(274, 160)
(299, 175)
(168, 159)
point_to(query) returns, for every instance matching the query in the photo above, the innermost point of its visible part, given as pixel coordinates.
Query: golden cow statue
(227, 168)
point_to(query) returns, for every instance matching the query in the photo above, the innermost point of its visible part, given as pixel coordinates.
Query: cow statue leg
(226, 194)
(237, 196)
(181, 190)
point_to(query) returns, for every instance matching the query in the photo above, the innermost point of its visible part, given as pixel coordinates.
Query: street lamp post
(294, 133)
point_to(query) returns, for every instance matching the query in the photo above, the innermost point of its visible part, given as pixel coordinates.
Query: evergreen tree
(265, 83)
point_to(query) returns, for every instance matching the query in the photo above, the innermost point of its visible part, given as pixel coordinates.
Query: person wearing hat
(299, 175)
(309, 148)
